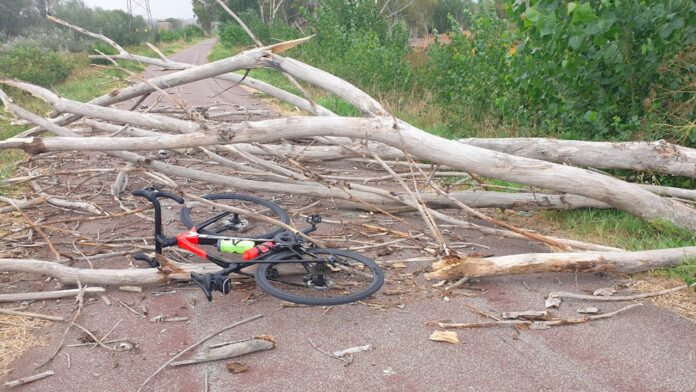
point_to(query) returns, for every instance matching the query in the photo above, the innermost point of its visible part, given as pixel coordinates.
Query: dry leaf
(236, 367)
(445, 336)
(398, 265)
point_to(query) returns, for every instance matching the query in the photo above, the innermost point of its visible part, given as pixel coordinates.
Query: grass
(617, 228)
(84, 83)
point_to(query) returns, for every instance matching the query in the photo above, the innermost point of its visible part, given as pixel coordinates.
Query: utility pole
(144, 5)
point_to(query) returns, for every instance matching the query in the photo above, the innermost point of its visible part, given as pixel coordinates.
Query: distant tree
(17, 15)
(206, 13)
(175, 23)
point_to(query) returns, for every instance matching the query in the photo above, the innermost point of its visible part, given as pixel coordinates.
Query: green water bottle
(234, 246)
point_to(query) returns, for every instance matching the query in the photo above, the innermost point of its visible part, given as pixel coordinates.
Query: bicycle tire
(267, 285)
(278, 213)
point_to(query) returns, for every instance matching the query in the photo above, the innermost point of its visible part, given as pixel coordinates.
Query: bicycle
(288, 267)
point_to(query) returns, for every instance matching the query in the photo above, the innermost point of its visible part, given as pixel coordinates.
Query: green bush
(354, 41)
(585, 69)
(36, 65)
(186, 33)
(115, 24)
(232, 35)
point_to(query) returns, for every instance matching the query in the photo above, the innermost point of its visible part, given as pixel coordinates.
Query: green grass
(617, 228)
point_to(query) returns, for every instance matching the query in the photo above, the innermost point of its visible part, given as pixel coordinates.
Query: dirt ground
(646, 349)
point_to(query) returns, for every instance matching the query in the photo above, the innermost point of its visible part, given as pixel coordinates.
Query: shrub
(576, 69)
(36, 65)
(354, 41)
(232, 35)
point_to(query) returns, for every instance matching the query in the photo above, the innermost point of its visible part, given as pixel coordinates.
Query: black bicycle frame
(188, 240)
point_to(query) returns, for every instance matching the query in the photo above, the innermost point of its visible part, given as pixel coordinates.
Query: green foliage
(472, 78)
(36, 65)
(354, 41)
(232, 35)
(115, 24)
(186, 33)
(617, 228)
(576, 69)
(16, 16)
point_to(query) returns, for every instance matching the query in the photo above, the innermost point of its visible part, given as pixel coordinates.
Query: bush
(36, 65)
(575, 69)
(232, 35)
(354, 41)
(115, 24)
(187, 33)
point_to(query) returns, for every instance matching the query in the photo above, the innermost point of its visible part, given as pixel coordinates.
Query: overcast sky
(161, 9)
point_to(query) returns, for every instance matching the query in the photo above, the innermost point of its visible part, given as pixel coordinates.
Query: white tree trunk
(660, 156)
(453, 268)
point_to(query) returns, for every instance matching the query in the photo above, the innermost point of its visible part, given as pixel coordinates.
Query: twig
(599, 298)
(28, 379)
(32, 315)
(48, 294)
(94, 338)
(187, 349)
(37, 228)
(457, 284)
(549, 323)
(345, 361)
(111, 330)
(80, 302)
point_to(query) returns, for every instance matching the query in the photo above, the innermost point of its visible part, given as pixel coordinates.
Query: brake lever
(149, 260)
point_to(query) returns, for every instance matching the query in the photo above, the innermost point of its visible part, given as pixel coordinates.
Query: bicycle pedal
(149, 260)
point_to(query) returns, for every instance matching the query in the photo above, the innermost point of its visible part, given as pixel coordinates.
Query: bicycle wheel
(320, 277)
(213, 220)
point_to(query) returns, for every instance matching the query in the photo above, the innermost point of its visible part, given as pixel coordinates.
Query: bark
(232, 350)
(660, 156)
(453, 268)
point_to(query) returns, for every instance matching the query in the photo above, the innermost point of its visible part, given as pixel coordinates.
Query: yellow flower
(512, 50)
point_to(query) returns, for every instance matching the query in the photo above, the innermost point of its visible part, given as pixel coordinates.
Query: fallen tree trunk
(170, 271)
(453, 268)
(660, 156)
(616, 193)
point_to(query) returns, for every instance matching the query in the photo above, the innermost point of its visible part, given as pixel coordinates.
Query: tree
(16, 15)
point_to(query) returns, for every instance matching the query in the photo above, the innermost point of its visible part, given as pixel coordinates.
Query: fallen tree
(614, 192)
(453, 268)
(660, 156)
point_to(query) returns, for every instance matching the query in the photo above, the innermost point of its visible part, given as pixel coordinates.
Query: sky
(161, 9)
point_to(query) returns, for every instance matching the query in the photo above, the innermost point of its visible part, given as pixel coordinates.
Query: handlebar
(152, 195)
